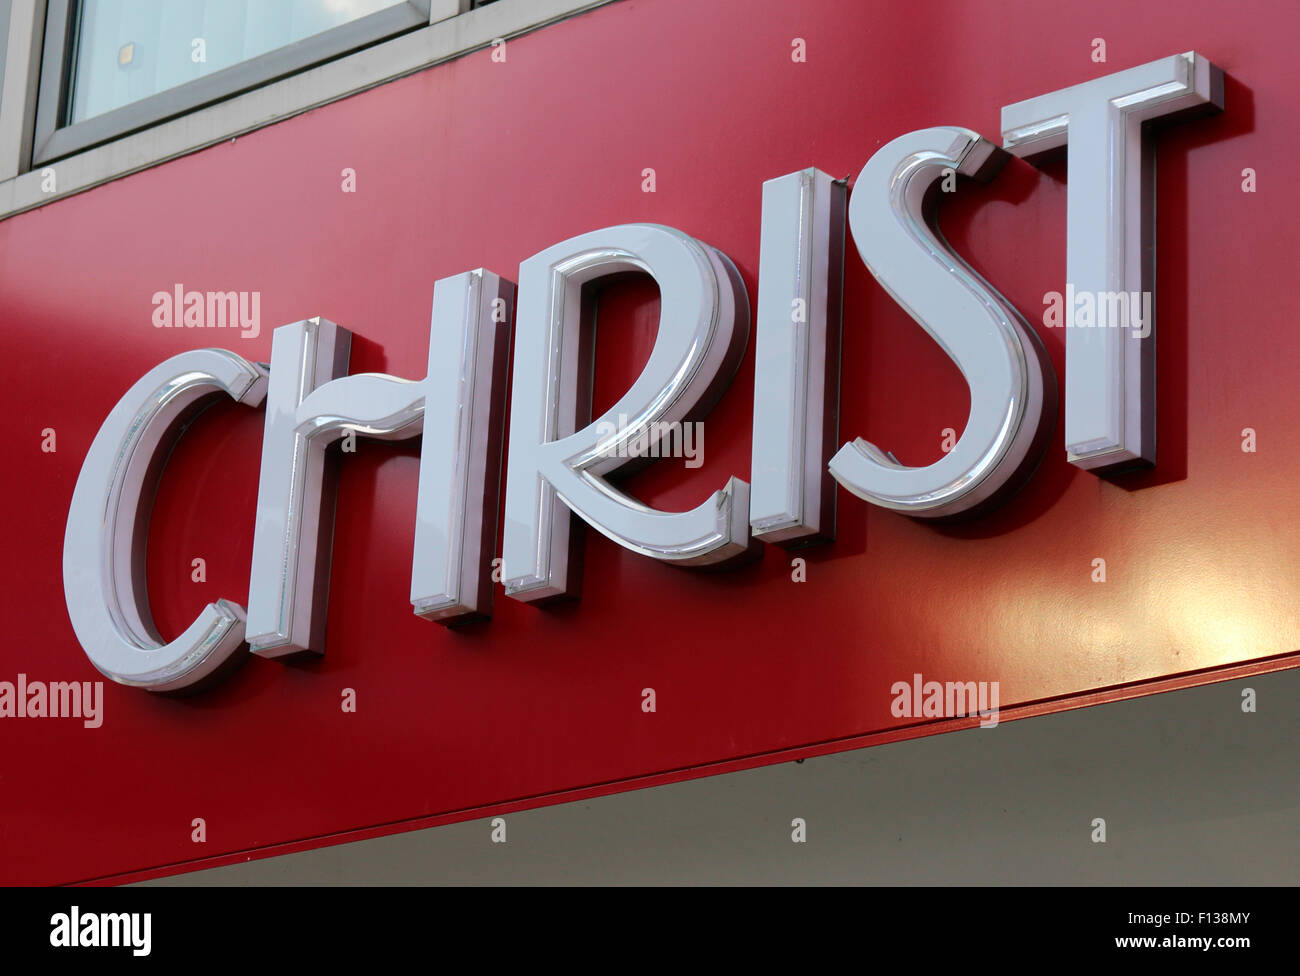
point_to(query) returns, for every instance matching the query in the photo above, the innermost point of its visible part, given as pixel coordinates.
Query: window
(95, 89)
(111, 67)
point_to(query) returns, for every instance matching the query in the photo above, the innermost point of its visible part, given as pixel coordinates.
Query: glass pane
(127, 50)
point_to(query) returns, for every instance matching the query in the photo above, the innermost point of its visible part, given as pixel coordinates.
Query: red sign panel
(1076, 589)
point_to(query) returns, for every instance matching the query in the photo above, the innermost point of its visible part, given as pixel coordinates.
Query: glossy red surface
(479, 163)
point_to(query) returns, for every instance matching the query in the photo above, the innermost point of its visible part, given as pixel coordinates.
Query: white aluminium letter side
(1110, 240)
(554, 467)
(312, 403)
(104, 543)
(460, 457)
(796, 358)
(892, 214)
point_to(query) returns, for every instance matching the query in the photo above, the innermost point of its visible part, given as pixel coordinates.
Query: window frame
(456, 29)
(5, 11)
(55, 138)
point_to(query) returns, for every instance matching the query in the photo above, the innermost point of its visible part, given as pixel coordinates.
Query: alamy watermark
(658, 439)
(77, 929)
(53, 699)
(1098, 310)
(945, 699)
(179, 308)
